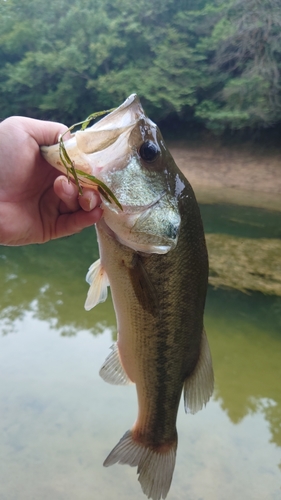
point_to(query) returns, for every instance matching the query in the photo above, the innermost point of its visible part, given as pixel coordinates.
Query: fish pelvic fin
(198, 387)
(155, 467)
(112, 370)
(98, 281)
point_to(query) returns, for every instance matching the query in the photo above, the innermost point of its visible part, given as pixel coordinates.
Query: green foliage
(248, 54)
(216, 62)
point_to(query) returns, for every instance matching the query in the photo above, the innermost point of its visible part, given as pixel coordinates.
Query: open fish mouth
(89, 151)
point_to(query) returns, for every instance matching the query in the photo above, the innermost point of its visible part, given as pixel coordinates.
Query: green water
(59, 420)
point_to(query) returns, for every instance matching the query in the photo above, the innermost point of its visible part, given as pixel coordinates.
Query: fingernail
(92, 202)
(68, 187)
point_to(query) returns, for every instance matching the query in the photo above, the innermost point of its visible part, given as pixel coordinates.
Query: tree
(212, 62)
(64, 59)
(248, 57)
(45, 57)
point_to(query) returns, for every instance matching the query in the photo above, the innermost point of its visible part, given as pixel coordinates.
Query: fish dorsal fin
(112, 370)
(98, 281)
(198, 387)
(144, 289)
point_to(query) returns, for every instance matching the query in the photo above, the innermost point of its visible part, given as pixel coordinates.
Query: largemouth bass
(153, 255)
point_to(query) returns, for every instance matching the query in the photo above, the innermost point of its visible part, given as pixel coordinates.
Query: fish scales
(153, 255)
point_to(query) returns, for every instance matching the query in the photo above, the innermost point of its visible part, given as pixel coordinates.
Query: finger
(43, 132)
(74, 223)
(89, 200)
(68, 194)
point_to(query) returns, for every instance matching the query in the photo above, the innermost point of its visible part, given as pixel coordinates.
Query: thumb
(43, 132)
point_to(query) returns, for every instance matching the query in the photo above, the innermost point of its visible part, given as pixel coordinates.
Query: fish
(153, 256)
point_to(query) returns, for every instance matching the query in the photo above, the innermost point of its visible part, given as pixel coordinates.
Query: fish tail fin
(155, 467)
(199, 386)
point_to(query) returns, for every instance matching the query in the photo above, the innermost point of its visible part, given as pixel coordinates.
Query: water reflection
(49, 281)
(246, 347)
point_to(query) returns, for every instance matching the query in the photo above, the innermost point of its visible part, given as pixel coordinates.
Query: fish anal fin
(98, 281)
(112, 370)
(155, 467)
(199, 386)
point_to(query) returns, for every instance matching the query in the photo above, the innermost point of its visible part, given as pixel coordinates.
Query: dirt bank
(247, 175)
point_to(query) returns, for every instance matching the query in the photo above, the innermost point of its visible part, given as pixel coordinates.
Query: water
(59, 420)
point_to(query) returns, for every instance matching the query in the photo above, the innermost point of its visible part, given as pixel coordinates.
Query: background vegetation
(210, 63)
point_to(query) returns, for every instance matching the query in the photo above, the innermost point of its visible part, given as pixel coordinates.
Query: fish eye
(149, 151)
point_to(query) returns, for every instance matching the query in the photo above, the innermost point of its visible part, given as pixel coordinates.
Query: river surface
(59, 420)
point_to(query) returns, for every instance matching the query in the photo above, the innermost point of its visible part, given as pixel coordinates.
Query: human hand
(38, 204)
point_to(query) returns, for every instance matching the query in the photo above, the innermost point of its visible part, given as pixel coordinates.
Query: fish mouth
(91, 150)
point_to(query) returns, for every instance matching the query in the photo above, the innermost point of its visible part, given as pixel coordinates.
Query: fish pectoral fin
(98, 281)
(198, 387)
(155, 467)
(112, 370)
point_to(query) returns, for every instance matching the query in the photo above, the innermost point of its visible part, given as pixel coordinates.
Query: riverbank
(246, 264)
(245, 174)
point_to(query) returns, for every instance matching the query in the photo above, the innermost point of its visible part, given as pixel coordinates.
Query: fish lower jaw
(146, 247)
